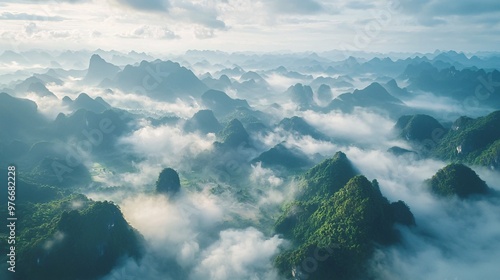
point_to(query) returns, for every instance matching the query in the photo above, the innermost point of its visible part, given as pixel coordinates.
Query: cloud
(29, 17)
(204, 33)
(147, 31)
(272, 190)
(60, 34)
(432, 12)
(451, 234)
(295, 6)
(205, 14)
(361, 127)
(147, 5)
(175, 232)
(40, 1)
(30, 28)
(134, 102)
(185, 240)
(167, 145)
(239, 254)
(359, 5)
(264, 176)
(173, 224)
(33, 31)
(50, 107)
(445, 108)
(95, 34)
(448, 7)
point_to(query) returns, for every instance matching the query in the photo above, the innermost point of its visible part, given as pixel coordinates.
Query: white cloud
(144, 104)
(183, 233)
(264, 176)
(48, 106)
(450, 236)
(152, 32)
(361, 127)
(204, 33)
(239, 254)
(167, 145)
(261, 25)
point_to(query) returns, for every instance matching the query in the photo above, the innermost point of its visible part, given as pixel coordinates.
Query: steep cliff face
(336, 222)
(74, 244)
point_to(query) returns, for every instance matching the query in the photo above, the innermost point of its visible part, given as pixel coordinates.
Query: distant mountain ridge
(161, 80)
(374, 96)
(99, 70)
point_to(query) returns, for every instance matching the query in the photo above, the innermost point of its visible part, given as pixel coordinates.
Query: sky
(173, 26)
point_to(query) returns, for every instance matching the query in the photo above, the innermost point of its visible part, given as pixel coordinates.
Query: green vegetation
(203, 121)
(168, 182)
(373, 96)
(300, 126)
(234, 135)
(457, 179)
(339, 216)
(490, 156)
(220, 103)
(328, 177)
(45, 173)
(67, 236)
(281, 156)
(418, 128)
(469, 141)
(473, 141)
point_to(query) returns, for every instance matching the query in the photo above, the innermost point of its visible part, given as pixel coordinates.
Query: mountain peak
(220, 103)
(299, 125)
(168, 182)
(329, 176)
(457, 179)
(234, 134)
(301, 95)
(282, 156)
(418, 127)
(84, 101)
(99, 70)
(203, 121)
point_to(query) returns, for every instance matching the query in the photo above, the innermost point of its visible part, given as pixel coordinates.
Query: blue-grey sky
(260, 25)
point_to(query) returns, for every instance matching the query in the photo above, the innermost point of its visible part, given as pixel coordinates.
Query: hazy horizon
(267, 139)
(163, 26)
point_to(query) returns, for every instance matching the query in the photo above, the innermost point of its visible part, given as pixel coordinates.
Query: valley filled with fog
(215, 165)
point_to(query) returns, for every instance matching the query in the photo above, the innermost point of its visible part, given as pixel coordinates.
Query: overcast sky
(259, 25)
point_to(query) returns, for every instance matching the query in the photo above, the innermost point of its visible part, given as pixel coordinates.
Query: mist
(451, 236)
(235, 177)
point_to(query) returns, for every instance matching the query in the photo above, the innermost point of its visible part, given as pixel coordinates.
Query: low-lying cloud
(451, 234)
(185, 239)
(167, 145)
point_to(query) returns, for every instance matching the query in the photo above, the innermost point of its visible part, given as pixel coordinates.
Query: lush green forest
(336, 222)
(63, 235)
